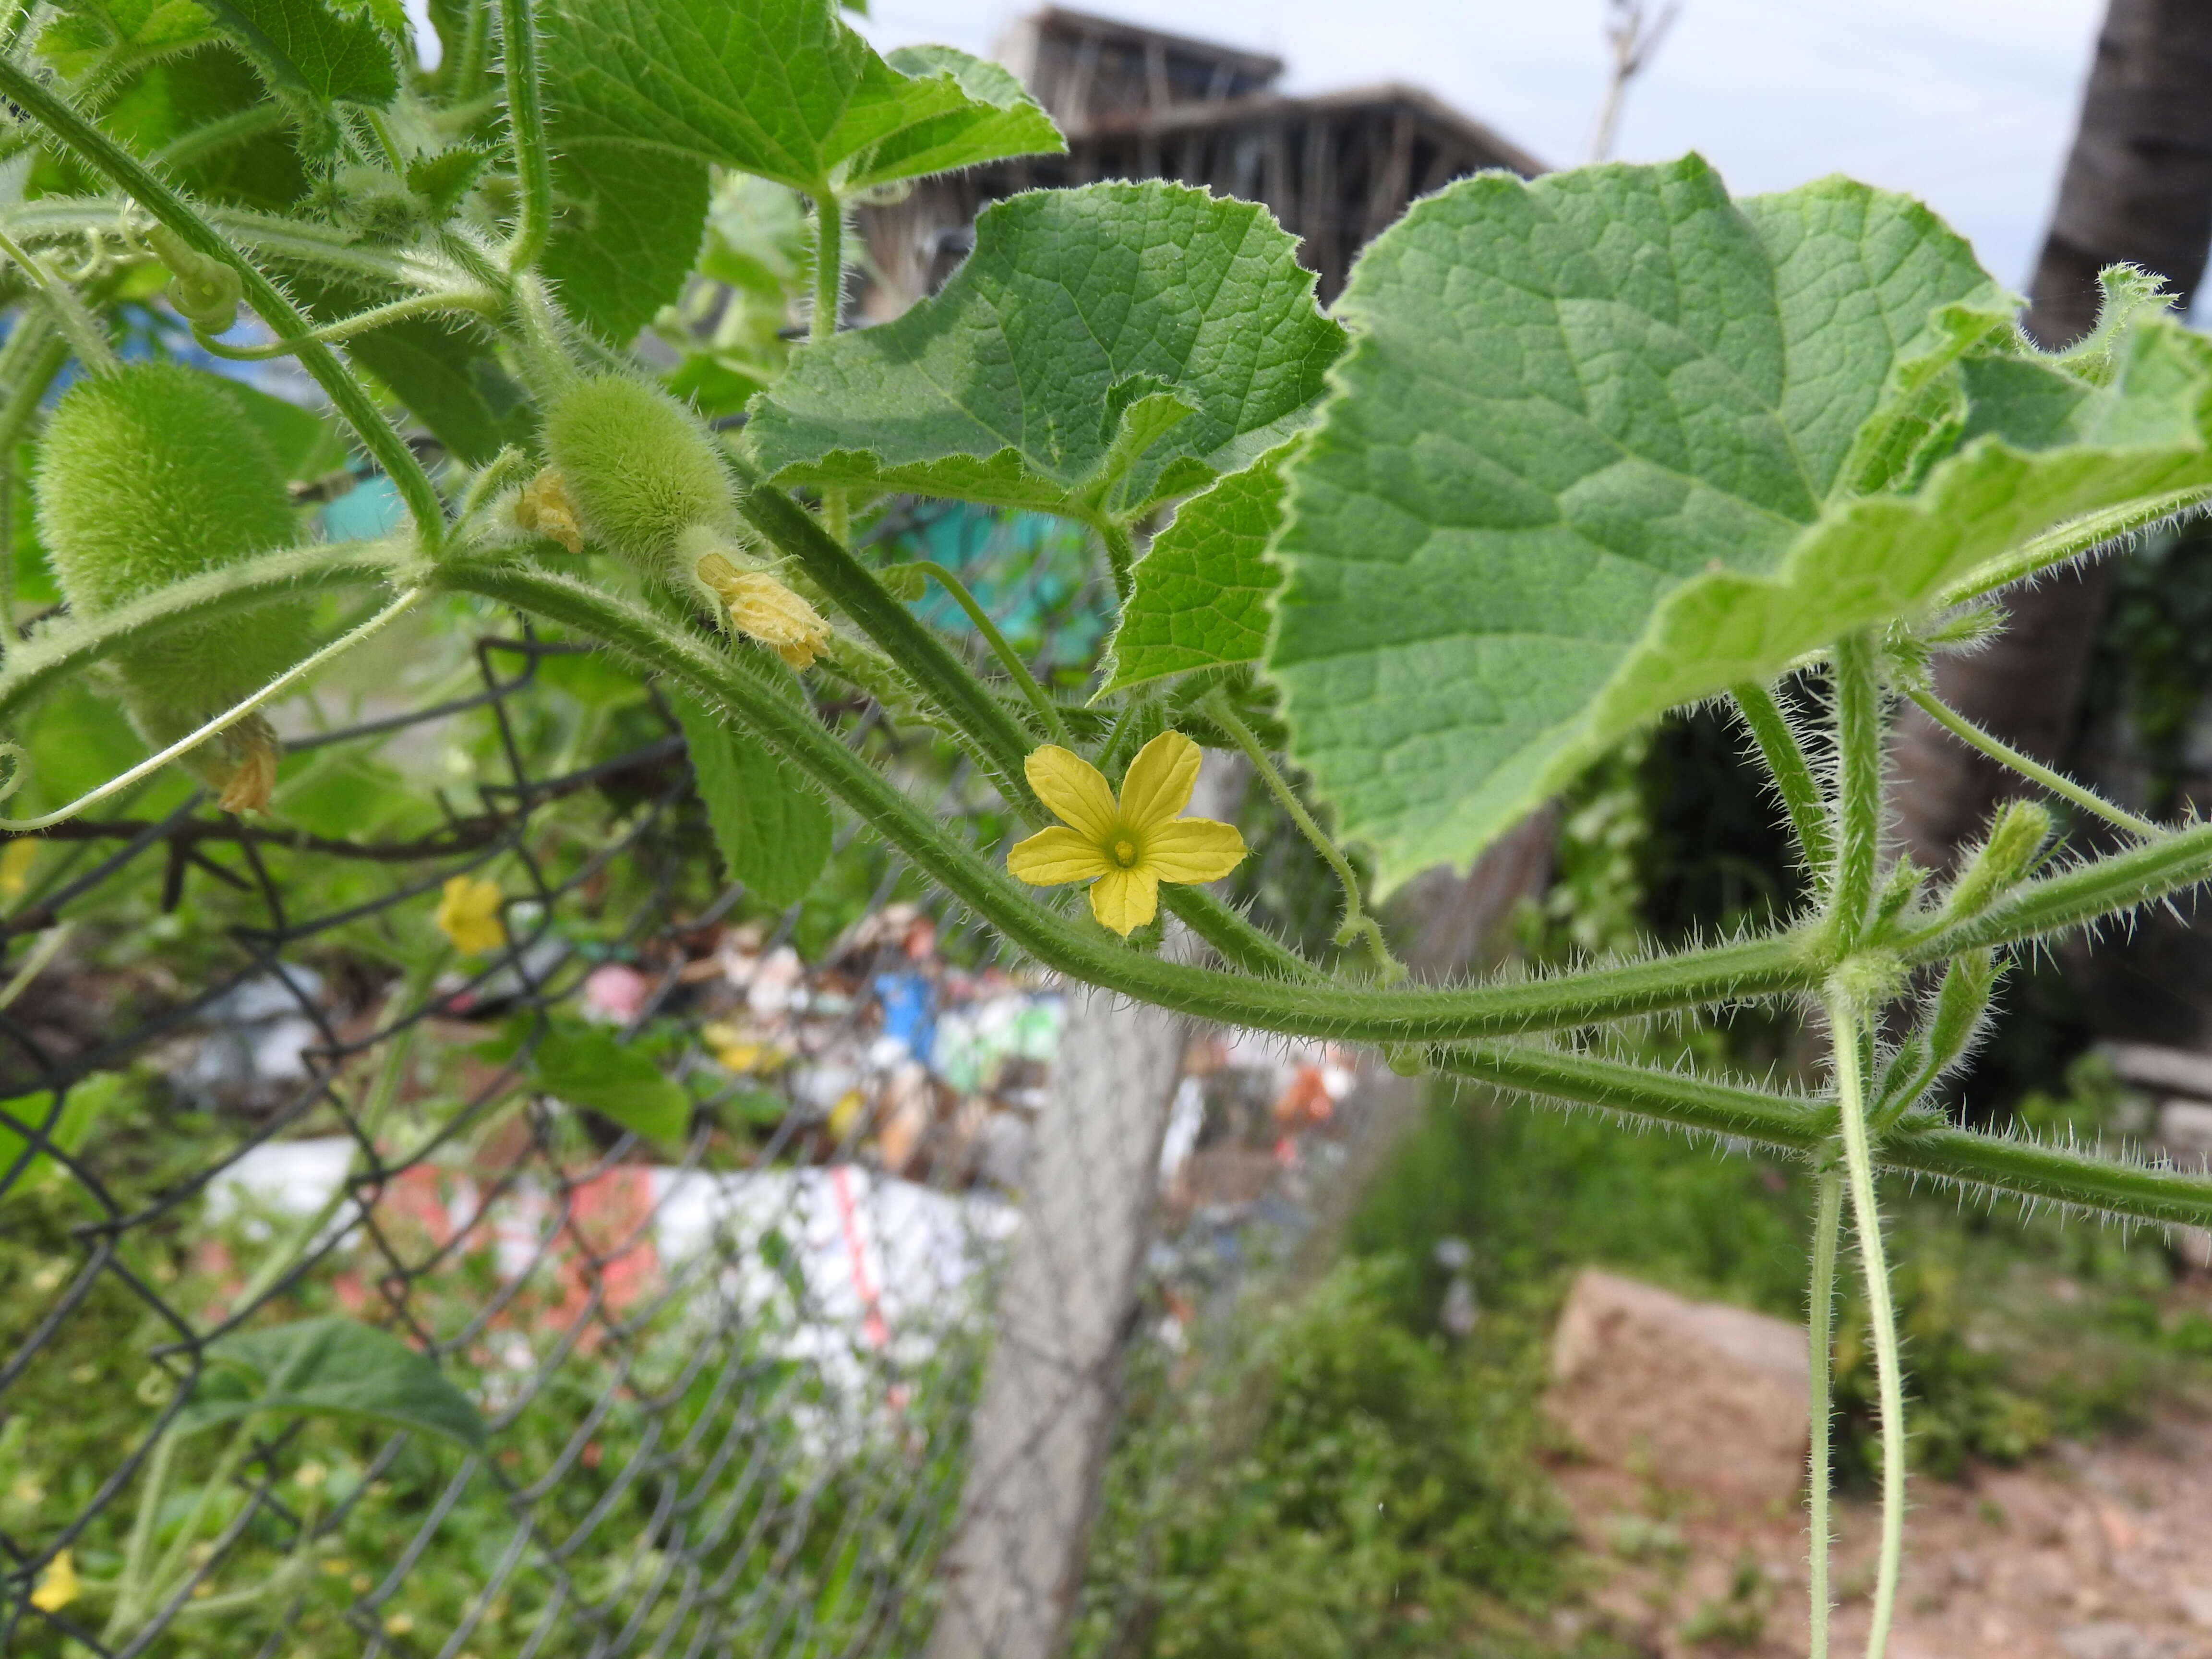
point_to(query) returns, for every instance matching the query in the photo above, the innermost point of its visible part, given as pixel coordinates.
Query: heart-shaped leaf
(1101, 350)
(1594, 454)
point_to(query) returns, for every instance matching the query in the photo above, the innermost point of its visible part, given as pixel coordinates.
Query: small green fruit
(147, 478)
(204, 291)
(641, 470)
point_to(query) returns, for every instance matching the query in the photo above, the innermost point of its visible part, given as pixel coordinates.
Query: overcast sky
(1969, 104)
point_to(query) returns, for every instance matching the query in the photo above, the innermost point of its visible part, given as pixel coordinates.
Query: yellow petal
(1073, 788)
(1193, 849)
(1159, 781)
(545, 508)
(1125, 899)
(16, 866)
(58, 1585)
(1055, 855)
(468, 914)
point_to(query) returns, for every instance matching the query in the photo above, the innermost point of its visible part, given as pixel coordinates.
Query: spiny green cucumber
(149, 477)
(640, 469)
(637, 472)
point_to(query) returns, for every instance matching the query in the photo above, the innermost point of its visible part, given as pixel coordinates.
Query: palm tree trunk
(2137, 189)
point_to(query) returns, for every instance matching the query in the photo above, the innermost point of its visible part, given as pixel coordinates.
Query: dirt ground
(2095, 1551)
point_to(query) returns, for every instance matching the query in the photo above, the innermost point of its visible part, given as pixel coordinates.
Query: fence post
(1014, 1565)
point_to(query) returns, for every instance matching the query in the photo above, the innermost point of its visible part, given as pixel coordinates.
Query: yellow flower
(763, 609)
(468, 914)
(58, 1585)
(15, 864)
(1126, 848)
(545, 508)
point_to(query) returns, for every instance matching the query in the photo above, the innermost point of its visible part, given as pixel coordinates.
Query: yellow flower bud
(545, 508)
(763, 609)
(58, 1585)
(468, 914)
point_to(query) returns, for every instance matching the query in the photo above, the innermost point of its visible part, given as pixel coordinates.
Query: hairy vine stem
(1358, 924)
(525, 134)
(1791, 771)
(1055, 727)
(284, 681)
(1857, 692)
(101, 152)
(81, 329)
(1850, 1038)
(481, 305)
(2005, 755)
(1820, 1341)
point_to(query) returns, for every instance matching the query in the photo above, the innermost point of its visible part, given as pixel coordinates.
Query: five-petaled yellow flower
(1125, 848)
(468, 914)
(58, 1585)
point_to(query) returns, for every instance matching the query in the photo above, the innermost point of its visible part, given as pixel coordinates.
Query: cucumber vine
(1568, 454)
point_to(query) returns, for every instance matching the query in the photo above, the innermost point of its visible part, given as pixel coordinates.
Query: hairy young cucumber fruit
(640, 469)
(149, 477)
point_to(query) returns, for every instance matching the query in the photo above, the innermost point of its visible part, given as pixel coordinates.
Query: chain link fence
(734, 1390)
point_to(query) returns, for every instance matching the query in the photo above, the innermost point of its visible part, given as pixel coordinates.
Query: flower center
(1125, 852)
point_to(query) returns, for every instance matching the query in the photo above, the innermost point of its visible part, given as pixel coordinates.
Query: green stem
(1921, 1144)
(525, 133)
(1821, 1340)
(210, 136)
(1881, 1311)
(1859, 786)
(97, 150)
(420, 305)
(1357, 922)
(70, 648)
(387, 150)
(920, 655)
(2005, 755)
(1009, 659)
(222, 722)
(476, 52)
(1121, 555)
(1792, 772)
(240, 1442)
(1425, 1015)
(2070, 540)
(140, 1546)
(829, 265)
(84, 333)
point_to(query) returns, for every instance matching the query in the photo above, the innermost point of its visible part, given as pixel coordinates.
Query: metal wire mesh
(729, 1387)
(725, 1389)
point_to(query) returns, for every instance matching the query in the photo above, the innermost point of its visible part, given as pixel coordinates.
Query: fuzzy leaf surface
(1202, 591)
(308, 50)
(1569, 402)
(782, 88)
(1047, 373)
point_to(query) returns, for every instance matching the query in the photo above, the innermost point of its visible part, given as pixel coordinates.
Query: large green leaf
(587, 1068)
(1101, 350)
(330, 1367)
(773, 831)
(312, 51)
(1594, 453)
(1199, 599)
(781, 88)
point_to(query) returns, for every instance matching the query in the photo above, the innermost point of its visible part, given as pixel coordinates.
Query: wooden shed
(1139, 103)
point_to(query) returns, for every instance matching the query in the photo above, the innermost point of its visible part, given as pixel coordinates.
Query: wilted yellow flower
(58, 1585)
(545, 508)
(247, 768)
(1125, 848)
(763, 609)
(15, 862)
(468, 914)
